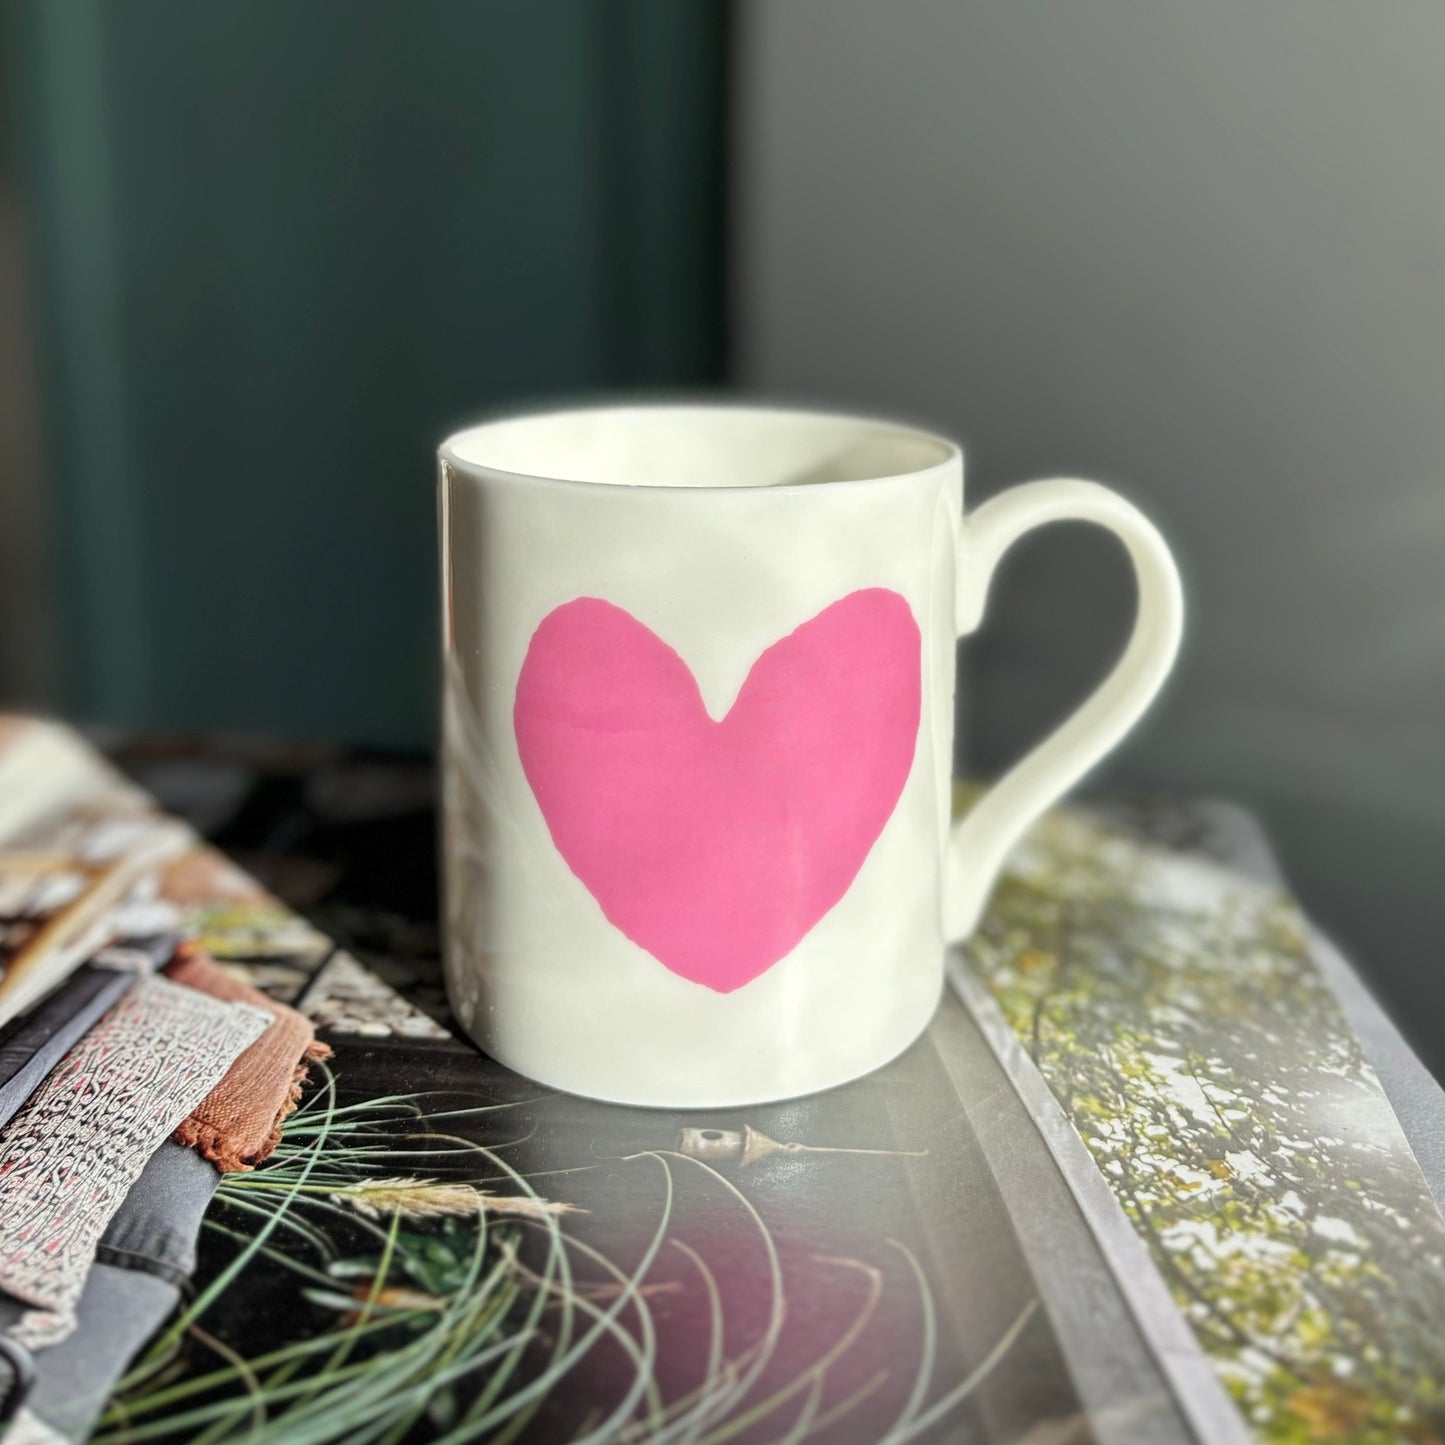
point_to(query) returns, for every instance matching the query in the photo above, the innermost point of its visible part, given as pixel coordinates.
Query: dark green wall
(281, 248)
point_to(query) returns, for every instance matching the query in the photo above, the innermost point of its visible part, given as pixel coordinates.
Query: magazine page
(1143, 1188)
(1178, 1014)
(439, 1245)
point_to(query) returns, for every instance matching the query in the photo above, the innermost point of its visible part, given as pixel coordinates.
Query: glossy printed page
(440, 1249)
(1179, 1014)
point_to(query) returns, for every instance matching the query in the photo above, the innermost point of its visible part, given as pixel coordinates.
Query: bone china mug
(698, 731)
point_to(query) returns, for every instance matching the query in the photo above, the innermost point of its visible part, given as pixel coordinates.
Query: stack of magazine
(1140, 1182)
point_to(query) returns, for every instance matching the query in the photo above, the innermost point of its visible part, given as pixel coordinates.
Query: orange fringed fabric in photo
(239, 1122)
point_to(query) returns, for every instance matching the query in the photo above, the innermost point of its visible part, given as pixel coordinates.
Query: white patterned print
(71, 1154)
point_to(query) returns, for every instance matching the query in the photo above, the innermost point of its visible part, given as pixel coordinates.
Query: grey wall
(1197, 251)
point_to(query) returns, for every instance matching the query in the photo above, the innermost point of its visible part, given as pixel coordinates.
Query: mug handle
(981, 840)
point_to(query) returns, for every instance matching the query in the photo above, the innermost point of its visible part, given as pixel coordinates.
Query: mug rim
(950, 453)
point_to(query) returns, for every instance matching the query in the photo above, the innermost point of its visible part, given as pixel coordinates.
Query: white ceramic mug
(698, 730)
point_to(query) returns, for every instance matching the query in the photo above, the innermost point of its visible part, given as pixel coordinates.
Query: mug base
(746, 1095)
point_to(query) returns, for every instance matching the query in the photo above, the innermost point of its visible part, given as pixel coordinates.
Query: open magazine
(1137, 1183)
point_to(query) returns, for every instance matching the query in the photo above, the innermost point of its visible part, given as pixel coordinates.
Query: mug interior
(697, 446)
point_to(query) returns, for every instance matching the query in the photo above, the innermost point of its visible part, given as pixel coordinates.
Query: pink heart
(716, 846)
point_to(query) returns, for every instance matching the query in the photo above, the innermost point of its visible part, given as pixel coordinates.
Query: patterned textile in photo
(68, 1158)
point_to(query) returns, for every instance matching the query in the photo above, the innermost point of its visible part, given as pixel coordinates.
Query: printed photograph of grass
(389, 1276)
